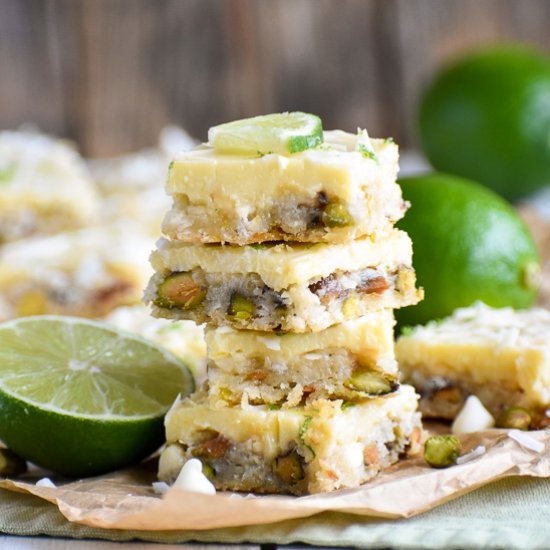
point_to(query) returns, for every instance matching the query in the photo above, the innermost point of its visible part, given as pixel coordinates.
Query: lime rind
(280, 133)
(77, 446)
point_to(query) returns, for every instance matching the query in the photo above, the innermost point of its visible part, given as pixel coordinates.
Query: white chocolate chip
(45, 482)
(192, 479)
(473, 417)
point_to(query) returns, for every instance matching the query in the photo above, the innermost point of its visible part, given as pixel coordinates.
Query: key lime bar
(320, 447)
(298, 287)
(44, 187)
(351, 360)
(500, 355)
(338, 191)
(85, 273)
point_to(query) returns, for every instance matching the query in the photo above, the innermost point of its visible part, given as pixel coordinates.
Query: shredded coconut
(313, 356)
(472, 455)
(526, 441)
(503, 327)
(270, 343)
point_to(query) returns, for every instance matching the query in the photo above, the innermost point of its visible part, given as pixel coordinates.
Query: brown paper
(126, 500)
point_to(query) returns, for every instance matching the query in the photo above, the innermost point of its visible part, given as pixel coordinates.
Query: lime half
(82, 398)
(282, 133)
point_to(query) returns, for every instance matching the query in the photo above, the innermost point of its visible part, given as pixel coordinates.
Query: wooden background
(111, 73)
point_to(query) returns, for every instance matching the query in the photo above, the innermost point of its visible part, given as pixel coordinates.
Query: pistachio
(257, 375)
(368, 381)
(540, 420)
(337, 215)
(208, 471)
(375, 285)
(11, 464)
(441, 451)
(240, 307)
(179, 290)
(289, 467)
(514, 417)
(371, 454)
(450, 394)
(213, 448)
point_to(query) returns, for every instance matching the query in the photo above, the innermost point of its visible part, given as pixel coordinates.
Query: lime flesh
(82, 398)
(282, 133)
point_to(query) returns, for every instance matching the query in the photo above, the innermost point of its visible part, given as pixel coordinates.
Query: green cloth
(512, 513)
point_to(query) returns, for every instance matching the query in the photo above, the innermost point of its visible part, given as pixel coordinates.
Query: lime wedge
(82, 398)
(282, 133)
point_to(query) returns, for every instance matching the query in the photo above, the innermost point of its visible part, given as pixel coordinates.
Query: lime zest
(366, 153)
(364, 145)
(304, 426)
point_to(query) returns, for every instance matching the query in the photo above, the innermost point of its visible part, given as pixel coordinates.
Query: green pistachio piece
(289, 467)
(179, 290)
(441, 451)
(11, 464)
(337, 215)
(368, 381)
(208, 471)
(240, 307)
(514, 417)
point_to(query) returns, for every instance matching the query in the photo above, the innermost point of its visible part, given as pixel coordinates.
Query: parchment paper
(126, 500)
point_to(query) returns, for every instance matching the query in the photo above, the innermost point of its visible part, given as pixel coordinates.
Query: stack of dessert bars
(294, 264)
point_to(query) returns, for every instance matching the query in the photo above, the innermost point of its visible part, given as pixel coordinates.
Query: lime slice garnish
(81, 397)
(282, 133)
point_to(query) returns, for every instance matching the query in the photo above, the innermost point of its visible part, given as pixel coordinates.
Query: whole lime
(487, 117)
(469, 244)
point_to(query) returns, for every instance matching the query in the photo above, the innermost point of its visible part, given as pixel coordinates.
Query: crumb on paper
(160, 487)
(46, 482)
(526, 441)
(472, 455)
